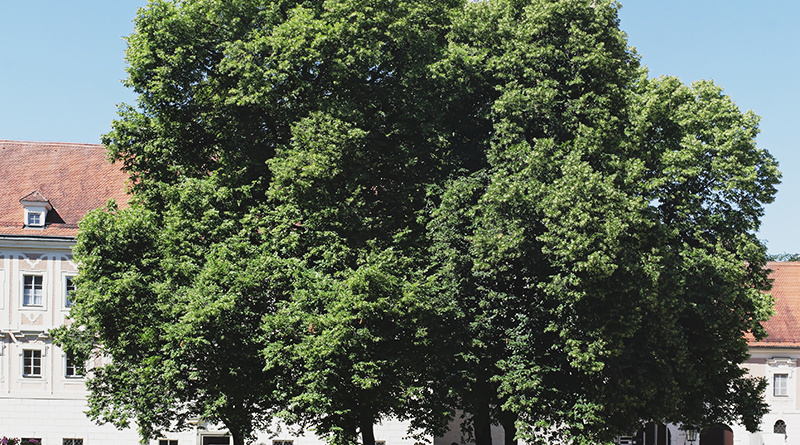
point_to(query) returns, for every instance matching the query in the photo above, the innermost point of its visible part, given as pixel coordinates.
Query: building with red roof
(45, 190)
(72, 178)
(775, 359)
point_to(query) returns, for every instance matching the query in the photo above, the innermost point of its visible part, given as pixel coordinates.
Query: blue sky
(752, 49)
(62, 62)
(61, 66)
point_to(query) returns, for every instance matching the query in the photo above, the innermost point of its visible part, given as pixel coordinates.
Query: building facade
(46, 188)
(775, 358)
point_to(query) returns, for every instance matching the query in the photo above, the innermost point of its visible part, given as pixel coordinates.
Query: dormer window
(34, 219)
(36, 207)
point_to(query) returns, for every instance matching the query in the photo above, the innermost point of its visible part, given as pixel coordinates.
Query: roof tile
(75, 178)
(783, 329)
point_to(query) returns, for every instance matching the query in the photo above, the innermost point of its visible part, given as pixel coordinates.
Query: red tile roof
(783, 328)
(34, 196)
(74, 178)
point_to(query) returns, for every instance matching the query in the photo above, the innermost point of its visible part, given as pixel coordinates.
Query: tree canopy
(349, 210)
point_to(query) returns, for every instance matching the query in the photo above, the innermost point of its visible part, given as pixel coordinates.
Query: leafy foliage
(177, 304)
(348, 210)
(785, 256)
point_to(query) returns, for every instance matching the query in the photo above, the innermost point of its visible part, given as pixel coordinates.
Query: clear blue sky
(62, 62)
(752, 49)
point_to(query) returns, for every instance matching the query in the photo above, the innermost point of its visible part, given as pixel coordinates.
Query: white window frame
(34, 219)
(71, 441)
(78, 372)
(35, 213)
(34, 275)
(33, 367)
(68, 278)
(167, 442)
(780, 384)
(778, 393)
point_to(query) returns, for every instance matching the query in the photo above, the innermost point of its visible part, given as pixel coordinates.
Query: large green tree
(345, 210)
(275, 157)
(175, 299)
(347, 200)
(553, 130)
(588, 261)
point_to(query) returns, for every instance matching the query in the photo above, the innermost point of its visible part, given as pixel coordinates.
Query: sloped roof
(783, 328)
(34, 196)
(74, 178)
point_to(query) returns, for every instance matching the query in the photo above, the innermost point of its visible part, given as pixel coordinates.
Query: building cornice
(34, 242)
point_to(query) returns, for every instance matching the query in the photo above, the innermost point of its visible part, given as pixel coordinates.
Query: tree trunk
(238, 438)
(367, 432)
(481, 418)
(509, 422)
(235, 428)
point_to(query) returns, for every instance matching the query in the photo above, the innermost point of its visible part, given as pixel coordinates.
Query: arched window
(780, 427)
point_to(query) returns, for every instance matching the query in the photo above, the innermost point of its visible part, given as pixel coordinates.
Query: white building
(45, 189)
(775, 358)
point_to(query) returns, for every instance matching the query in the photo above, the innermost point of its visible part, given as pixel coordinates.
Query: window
(281, 442)
(32, 363)
(164, 442)
(34, 219)
(69, 287)
(72, 442)
(651, 434)
(72, 367)
(779, 427)
(32, 290)
(30, 441)
(36, 207)
(380, 442)
(780, 385)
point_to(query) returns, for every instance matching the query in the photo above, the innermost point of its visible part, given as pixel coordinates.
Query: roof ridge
(45, 143)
